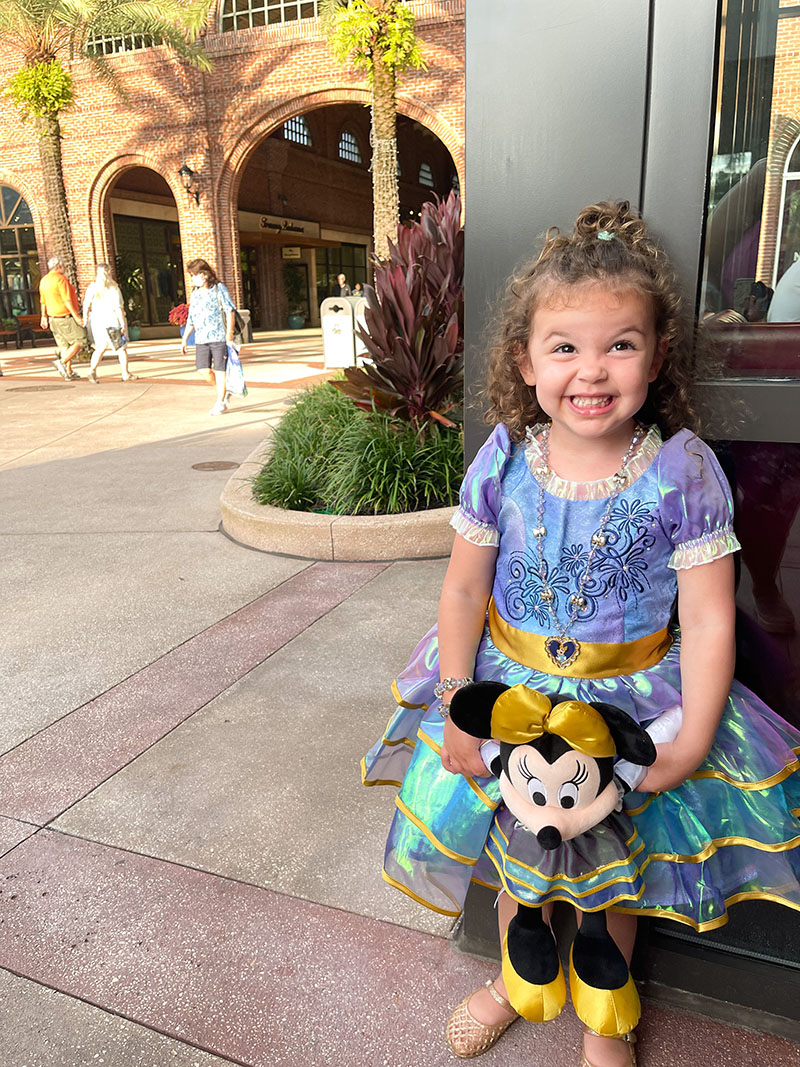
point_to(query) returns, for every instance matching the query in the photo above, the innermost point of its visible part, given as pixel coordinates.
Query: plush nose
(549, 838)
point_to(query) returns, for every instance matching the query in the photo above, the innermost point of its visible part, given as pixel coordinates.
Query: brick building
(276, 136)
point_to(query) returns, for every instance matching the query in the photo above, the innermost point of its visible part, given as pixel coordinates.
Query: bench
(29, 328)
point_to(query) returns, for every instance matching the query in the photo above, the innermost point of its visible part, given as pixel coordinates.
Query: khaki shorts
(67, 332)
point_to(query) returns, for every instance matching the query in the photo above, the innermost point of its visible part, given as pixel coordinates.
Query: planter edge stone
(351, 538)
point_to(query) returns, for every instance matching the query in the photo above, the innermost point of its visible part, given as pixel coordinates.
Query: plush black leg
(603, 993)
(531, 968)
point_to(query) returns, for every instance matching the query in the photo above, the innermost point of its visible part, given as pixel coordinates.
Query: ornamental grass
(332, 457)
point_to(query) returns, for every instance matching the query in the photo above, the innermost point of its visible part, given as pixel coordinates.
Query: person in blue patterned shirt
(211, 317)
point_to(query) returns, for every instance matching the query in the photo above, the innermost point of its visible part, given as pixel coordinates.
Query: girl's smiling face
(591, 355)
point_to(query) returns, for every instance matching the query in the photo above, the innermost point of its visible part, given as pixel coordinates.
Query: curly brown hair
(627, 260)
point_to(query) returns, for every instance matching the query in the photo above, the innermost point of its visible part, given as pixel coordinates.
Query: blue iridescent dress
(731, 832)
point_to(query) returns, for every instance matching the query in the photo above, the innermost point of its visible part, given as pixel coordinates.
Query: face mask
(198, 280)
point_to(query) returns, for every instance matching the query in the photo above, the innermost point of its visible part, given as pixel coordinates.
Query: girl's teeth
(591, 401)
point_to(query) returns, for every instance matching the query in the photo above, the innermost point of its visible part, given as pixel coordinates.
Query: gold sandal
(629, 1038)
(466, 1037)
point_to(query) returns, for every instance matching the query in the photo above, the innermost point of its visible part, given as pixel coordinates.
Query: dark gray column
(556, 119)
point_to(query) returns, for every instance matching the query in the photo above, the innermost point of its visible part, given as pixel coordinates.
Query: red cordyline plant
(415, 322)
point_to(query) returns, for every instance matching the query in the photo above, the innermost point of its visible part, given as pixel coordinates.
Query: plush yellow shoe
(630, 1040)
(607, 1012)
(466, 1037)
(536, 1003)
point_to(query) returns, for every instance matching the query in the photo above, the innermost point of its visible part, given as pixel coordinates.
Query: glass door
(749, 302)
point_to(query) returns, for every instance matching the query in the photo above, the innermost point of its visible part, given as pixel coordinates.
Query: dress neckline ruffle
(604, 487)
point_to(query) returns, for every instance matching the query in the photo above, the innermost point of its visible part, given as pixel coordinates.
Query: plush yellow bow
(522, 714)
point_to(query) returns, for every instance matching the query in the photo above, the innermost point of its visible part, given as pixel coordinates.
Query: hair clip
(606, 235)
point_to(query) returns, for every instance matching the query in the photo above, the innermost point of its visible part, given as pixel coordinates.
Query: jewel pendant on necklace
(563, 651)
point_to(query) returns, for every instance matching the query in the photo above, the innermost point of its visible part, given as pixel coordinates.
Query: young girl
(590, 507)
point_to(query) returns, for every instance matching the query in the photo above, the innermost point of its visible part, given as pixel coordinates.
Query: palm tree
(377, 36)
(47, 36)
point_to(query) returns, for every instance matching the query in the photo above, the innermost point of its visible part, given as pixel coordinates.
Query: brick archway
(100, 235)
(226, 190)
(786, 132)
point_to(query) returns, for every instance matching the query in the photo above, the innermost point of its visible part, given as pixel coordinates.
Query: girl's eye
(564, 350)
(623, 346)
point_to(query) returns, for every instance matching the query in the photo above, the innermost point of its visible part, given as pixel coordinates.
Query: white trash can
(338, 331)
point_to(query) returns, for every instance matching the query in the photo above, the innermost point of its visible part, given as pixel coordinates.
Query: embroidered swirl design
(619, 569)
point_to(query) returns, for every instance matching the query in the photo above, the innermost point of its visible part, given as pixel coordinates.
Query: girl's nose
(592, 369)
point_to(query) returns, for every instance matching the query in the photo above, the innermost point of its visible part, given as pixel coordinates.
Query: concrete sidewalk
(189, 866)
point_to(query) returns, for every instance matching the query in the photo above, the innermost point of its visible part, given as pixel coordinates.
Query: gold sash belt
(596, 659)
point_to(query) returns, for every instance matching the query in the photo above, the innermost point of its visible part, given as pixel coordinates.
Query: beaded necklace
(563, 649)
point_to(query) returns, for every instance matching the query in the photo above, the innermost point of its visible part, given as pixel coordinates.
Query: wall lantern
(189, 178)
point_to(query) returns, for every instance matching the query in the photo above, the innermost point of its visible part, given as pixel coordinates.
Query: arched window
(788, 242)
(426, 175)
(242, 14)
(348, 147)
(19, 263)
(297, 130)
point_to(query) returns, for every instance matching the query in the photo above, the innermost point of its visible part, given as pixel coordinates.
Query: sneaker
(73, 377)
(62, 370)
(219, 408)
(92, 377)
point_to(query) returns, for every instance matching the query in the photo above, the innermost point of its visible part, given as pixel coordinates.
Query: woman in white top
(104, 310)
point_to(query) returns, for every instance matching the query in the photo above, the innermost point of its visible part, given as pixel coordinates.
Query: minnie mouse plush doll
(564, 831)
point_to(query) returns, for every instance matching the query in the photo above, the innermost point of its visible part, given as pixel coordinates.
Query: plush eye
(568, 795)
(537, 792)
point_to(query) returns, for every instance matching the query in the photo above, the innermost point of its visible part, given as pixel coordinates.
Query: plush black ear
(471, 707)
(633, 742)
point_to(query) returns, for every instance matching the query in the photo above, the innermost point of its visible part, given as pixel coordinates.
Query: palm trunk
(385, 201)
(49, 130)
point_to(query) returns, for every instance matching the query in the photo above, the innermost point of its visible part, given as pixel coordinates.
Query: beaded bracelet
(449, 683)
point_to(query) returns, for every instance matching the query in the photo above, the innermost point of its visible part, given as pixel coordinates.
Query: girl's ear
(471, 707)
(525, 365)
(662, 345)
(632, 741)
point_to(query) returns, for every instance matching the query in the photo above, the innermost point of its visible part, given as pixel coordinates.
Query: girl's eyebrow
(568, 336)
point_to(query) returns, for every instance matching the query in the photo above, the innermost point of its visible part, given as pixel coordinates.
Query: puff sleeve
(696, 502)
(481, 491)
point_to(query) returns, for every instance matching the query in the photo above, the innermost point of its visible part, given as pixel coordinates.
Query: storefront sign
(291, 252)
(251, 222)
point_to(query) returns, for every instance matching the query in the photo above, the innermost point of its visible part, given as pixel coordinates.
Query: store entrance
(149, 260)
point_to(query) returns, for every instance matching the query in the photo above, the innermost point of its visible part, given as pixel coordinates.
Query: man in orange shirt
(61, 315)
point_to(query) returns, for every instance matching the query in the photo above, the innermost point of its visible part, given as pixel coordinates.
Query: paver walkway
(189, 866)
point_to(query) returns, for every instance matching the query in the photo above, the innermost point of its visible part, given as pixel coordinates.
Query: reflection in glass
(18, 292)
(766, 476)
(750, 304)
(149, 253)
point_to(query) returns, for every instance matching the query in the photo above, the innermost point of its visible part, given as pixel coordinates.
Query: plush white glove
(489, 751)
(665, 728)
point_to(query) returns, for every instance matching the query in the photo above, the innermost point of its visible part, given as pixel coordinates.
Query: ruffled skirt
(731, 832)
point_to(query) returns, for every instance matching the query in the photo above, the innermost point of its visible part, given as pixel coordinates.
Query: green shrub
(330, 456)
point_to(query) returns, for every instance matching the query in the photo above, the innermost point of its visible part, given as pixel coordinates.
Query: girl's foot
(608, 1051)
(479, 1021)
(93, 378)
(129, 377)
